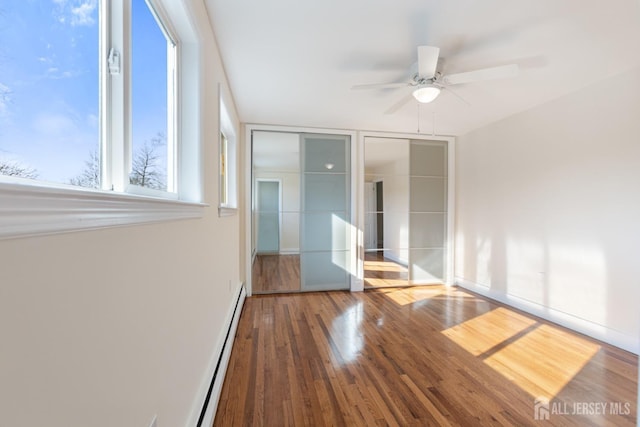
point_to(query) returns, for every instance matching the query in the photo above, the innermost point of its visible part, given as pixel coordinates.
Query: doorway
(379, 214)
(374, 216)
(268, 225)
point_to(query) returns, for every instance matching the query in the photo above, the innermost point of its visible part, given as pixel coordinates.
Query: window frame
(32, 207)
(223, 168)
(227, 159)
(164, 24)
(116, 99)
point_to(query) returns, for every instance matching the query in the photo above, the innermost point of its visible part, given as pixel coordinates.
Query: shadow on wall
(563, 276)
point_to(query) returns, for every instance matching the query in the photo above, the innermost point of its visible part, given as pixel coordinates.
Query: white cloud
(4, 99)
(83, 14)
(54, 124)
(76, 12)
(92, 120)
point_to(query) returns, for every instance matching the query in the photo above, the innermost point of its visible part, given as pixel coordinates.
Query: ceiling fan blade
(427, 61)
(501, 72)
(379, 86)
(454, 93)
(395, 107)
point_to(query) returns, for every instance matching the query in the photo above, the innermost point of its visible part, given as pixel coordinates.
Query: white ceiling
(276, 151)
(293, 62)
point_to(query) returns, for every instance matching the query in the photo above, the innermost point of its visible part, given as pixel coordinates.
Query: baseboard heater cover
(210, 404)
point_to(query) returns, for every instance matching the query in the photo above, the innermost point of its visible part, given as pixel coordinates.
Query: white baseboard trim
(290, 251)
(209, 395)
(392, 257)
(593, 330)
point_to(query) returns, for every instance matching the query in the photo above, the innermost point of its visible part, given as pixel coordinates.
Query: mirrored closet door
(405, 201)
(301, 232)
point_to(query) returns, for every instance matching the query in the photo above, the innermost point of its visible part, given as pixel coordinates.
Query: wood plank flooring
(276, 273)
(381, 272)
(416, 356)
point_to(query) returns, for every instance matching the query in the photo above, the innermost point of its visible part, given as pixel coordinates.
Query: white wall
(109, 327)
(548, 210)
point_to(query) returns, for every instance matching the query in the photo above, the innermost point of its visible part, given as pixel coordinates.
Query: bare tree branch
(90, 176)
(145, 168)
(11, 168)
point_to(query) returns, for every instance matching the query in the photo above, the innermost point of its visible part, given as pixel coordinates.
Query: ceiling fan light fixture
(426, 94)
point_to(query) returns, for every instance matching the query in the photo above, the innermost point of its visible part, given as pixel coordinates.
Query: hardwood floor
(415, 357)
(380, 272)
(276, 273)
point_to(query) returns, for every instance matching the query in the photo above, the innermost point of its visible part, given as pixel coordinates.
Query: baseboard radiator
(212, 398)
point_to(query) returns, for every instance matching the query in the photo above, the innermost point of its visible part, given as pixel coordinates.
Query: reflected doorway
(268, 195)
(379, 186)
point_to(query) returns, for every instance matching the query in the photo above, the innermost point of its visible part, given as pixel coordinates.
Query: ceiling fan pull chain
(433, 125)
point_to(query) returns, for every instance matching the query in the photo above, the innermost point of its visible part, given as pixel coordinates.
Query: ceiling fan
(428, 81)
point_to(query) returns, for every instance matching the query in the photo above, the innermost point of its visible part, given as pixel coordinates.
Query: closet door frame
(449, 278)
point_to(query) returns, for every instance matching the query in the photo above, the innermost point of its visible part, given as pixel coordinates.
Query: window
(60, 140)
(90, 101)
(49, 93)
(152, 94)
(228, 199)
(224, 182)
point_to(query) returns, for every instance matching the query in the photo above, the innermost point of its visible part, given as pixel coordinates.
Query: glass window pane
(224, 188)
(325, 260)
(426, 265)
(150, 98)
(49, 91)
(326, 154)
(428, 158)
(326, 231)
(321, 271)
(428, 194)
(428, 230)
(325, 192)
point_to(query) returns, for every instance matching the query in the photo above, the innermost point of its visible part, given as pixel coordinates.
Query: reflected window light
(346, 332)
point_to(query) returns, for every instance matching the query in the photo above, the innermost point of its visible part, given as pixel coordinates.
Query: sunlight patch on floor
(540, 358)
(384, 274)
(384, 266)
(484, 332)
(385, 283)
(412, 295)
(544, 360)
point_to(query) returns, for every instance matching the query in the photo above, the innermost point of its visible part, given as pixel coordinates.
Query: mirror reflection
(276, 212)
(405, 202)
(301, 212)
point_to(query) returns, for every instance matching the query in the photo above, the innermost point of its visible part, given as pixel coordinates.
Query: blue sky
(49, 109)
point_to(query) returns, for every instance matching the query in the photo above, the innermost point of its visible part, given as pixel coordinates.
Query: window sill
(226, 211)
(31, 210)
